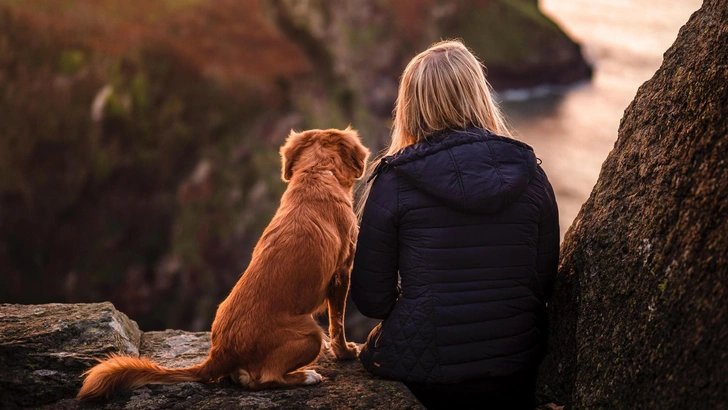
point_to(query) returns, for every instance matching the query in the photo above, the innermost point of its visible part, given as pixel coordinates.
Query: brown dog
(264, 332)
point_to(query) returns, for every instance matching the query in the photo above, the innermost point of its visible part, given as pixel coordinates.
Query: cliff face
(639, 318)
(139, 140)
(45, 348)
(360, 47)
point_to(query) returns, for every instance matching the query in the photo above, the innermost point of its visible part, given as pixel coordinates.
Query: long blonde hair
(443, 87)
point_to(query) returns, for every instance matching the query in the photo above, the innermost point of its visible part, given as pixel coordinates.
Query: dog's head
(339, 151)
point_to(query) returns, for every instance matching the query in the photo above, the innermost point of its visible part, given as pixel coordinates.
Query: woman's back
(469, 221)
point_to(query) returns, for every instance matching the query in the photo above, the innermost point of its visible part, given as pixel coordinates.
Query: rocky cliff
(45, 348)
(639, 316)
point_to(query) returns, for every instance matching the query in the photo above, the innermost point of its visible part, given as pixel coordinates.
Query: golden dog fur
(264, 331)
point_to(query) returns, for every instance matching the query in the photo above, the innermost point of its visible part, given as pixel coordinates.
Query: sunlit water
(574, 131)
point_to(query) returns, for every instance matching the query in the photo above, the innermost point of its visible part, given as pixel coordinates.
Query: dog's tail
(126, 372)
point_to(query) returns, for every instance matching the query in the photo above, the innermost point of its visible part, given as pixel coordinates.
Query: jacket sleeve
(376, 263)
(547, 258)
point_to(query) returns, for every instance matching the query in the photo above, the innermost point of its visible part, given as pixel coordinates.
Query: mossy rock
(520, 46)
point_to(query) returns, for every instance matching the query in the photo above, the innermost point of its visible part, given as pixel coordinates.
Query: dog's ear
(290, 151)
(354, 154)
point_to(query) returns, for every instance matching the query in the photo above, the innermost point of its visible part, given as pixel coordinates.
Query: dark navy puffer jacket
(469, 222)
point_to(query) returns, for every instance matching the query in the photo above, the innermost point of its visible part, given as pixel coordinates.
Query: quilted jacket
(457, 254)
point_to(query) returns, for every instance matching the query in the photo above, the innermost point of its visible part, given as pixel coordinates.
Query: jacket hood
(471, 170)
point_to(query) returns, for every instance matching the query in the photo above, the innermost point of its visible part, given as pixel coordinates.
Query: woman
(465, 217)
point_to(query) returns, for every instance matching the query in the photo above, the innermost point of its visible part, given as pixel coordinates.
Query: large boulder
(44, 349)
(639, 315)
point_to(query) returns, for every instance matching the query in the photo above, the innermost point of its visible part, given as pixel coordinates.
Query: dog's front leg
(338, 290)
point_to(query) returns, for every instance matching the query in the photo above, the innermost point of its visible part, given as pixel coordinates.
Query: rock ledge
(45, 348)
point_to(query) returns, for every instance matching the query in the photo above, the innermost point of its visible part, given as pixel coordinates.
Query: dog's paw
(327, 350)
(312, 377)
(241, 377)
(350, 351)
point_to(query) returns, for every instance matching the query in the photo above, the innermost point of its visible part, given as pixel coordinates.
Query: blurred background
(139, 139)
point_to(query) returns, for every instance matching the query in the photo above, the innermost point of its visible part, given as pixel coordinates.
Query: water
(573, 131)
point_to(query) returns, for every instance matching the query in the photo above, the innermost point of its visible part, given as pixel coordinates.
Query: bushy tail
(127, 372)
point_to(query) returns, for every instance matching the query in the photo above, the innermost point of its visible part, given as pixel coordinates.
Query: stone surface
(639, 316)
(45, 348)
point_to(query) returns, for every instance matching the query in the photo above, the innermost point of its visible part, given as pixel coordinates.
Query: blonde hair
(443, 87)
